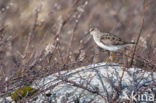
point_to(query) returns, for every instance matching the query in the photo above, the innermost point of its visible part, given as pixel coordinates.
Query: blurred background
(39, 37)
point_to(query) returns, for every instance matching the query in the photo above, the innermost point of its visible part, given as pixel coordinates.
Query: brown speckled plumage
(110, 39)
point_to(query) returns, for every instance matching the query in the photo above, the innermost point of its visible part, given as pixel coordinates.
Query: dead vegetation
(39, 38)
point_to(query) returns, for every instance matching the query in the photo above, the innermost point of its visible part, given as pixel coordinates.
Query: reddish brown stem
(138, 37)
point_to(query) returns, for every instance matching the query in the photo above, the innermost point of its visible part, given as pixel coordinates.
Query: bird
(108, 41)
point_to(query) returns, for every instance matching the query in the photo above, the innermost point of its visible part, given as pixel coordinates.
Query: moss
(23, 93)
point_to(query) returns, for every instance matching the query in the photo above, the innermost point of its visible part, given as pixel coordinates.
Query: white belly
(110, 47)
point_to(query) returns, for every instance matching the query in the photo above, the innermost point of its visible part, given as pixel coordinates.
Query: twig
(31, 32)
(104, 88)
(149, 86)
(80, 86)
(138, 37)
(121, 78)
(73, 31)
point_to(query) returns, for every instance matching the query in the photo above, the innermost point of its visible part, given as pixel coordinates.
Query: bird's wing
(110, 39)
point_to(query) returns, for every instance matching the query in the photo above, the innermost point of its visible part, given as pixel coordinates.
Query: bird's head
(92, 30)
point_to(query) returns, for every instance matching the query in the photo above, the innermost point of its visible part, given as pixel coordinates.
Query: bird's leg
(107, 59)
(112, 57)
